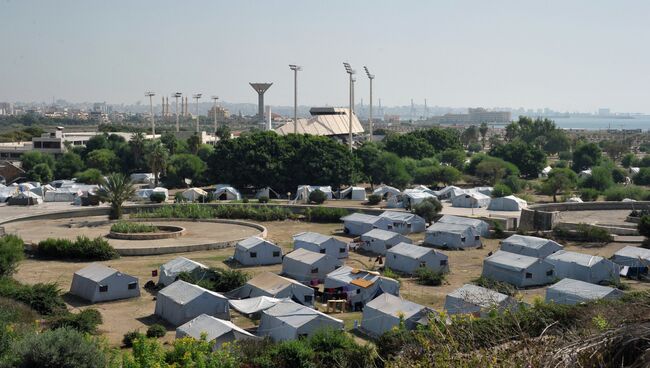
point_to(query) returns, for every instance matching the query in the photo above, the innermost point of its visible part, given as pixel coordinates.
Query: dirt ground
(137, 313)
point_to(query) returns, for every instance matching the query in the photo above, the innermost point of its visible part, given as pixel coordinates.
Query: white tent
(256, 251)
(471, 200)
(530, 246)
(569, 291)
(545, 171)
(182, 301)
(386, 312)
(252, 306)
(452, 236)
(359, 223)
(145, 193)
(216, 331)
(584, 267)
(407, 258)
(401, 222)
(448, 192)
(99, 283)
(477, 300)
(359, 286)
(224, 192)
(423, 188)
(353, 193)
(584, 174)
(517, 269)
(303, 192)
(411, 197)
(25, 199)
(508, 203)
(386, 191)
(378, 241)
(481, 226)
(271, 285)
(320, 243)
(169, 271)
(574, 200)
(193, 194)
(7, 192)
(483, 190)
(142, 178)
(68, 194)
(636, 259)
(307, 266)
(40, 190)
(289, 321)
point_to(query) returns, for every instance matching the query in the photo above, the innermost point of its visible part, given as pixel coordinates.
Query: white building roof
(531, 242)
(360, 217)
(311, 237)
(251, 242)
(451, 219)
(398, 216)
(181, 264)
(634, 252)
(324, 121)
(347, 274)
(511, 261)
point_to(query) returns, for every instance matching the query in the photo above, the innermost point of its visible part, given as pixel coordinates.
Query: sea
(603, 123)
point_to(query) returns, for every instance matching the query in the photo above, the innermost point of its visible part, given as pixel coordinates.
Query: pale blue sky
(567, 55)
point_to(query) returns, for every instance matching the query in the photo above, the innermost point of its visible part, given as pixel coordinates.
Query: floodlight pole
(153, 124)
(177, 95)
(197, 96)
(370, 77)
(215, 98)
(351, 73)
(296, 69)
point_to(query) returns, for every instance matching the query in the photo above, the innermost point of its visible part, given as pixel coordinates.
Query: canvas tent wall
(471, 200)
(481, 226)
(98, 283)
(275, 286)
(169, 271)
(255, 251)
(531, 246)
(635, 259)
(289, 321)
(401, 222)
(387, 311)
(353, 193)
(253, 306)
(24, 199)
(411, 197)
(569, 291)
(386, 191)
(517, 269)
(422, 188)
(216, 331)
(194, 194)
(182, 301)
(320, 243)
(508, 203)
(407, 258)
(584, 267)
(359, 223)
(62, 195)
(307, 266)
(477, 300)
(358, 286)
(303, 192)
(447, 192)
(378, 241)
(483, 190)
(145, 193)
(452, 236)
(142, 178)
(224, 192)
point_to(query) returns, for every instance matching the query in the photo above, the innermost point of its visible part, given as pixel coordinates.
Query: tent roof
(575, 257)
(386, 189)
(295, 314)
(213, 327)
(634, 252)
(449, 228)
(360, 217)
(198, 191)
(399, 216)
(271, 282)
(478, 295)
(183, 292)
(181, 264)
(253, 305)
(305, 256)
(394, 305)
(311, 237)
(381, 234)
(581, 288)
(411, 250)
(475, 195)
(96, 272)
(511, 261)
(252, 242)
(532, 242)
(349, 275)
(451, 219)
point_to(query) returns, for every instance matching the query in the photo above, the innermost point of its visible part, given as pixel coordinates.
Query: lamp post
(370, 77)
(351, 72)
(153, 124)
(215, 98)
(177, 95)
(296, 69)
(197, 96)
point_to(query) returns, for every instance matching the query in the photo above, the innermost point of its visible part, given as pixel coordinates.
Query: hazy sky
(566, 55)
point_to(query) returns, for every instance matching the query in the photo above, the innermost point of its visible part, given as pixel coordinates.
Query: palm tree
(483, 129)
(157, 160)
(116, 189)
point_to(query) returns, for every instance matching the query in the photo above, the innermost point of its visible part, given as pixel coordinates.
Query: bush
(501, 190)
(126, 227)
(157, 197)
(584, 233)
(217, 279)
(83, 248)
(85, 321)
(565, 156)
(589, 194)
(428, 277)
(156, 330)
(644, 226)
(561, 164)
(600, 179)
(428, 209)
(325, 214)
(390, 273)
(317, 197)
(498, 229)
(263, 199)
(374, 199)
(130, 337)
(43, 298)
(618, 193)
(11, 252)
(198, 211)
(642, 177)
(501, 287)
(244, 200)
(178, 198)
(62, 347)
(90, 176)
(515, 184)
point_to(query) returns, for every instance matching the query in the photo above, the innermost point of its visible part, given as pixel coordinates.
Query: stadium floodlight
(153, 124)
(296, 69)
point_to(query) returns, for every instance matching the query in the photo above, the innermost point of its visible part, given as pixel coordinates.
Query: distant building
(328, 121)
(477, 116)
(222, 113)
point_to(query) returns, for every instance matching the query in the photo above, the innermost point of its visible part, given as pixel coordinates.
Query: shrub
(325, 214)
(428, 277)
(156, 330)
(82, 248)
(244, 200)
(198, 211)
(43, 298)
(130, 337)
(515, 184)
(589, 194)
(428, 209)
(11, 252)
(63, 347)
(178, 198)
(501, 190)
(600, 179)
(618, 193)
(390, 273)
(133, 227)
(374, 199)
(217, 279)
(317, 197)
(157, 197)
(584, 233)
(263, 199)
(642, 177)
(90, 176)
(644, 226)
(561, 164)
(565, 156)
(498, 230)
(85, 321)
(501, 287)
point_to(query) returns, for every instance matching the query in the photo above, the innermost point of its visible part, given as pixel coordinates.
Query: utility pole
(351, 72)
(370, 77)
(153, 124)
(177, 95)
(197, 96)
(296, 69)
(215, 98)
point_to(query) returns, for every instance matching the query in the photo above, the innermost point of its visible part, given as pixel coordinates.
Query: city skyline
(569, 57)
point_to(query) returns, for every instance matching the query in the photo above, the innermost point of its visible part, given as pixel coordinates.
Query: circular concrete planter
(166, 232)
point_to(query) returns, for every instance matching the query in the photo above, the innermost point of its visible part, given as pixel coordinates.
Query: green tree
(644, 226)
(393, 171)
(440, 138)
(428, 209)
(156, 157)
(137, 149)
(529, 159)
(501, 190)
(614, 149)
(557, 141)
(68, 165)
(368, 157)
(171, 143)
(193, 143)
(600, 179)
(11, 252)
(491, 171)
(41, 173)
(62, 347)
(483, 129)
(628, 160)
(408, 145)
(223, 132)
(470, 135)
(116, 189)
(448, 175)
(586, 156)
(453, 157)
(185, 166)
(559, 181)
(642, 177)
(33, 158)
(90, 176)
(103, 160)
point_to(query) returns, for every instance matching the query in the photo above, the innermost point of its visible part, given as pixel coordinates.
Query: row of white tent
(395, 221)
(35, 193)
